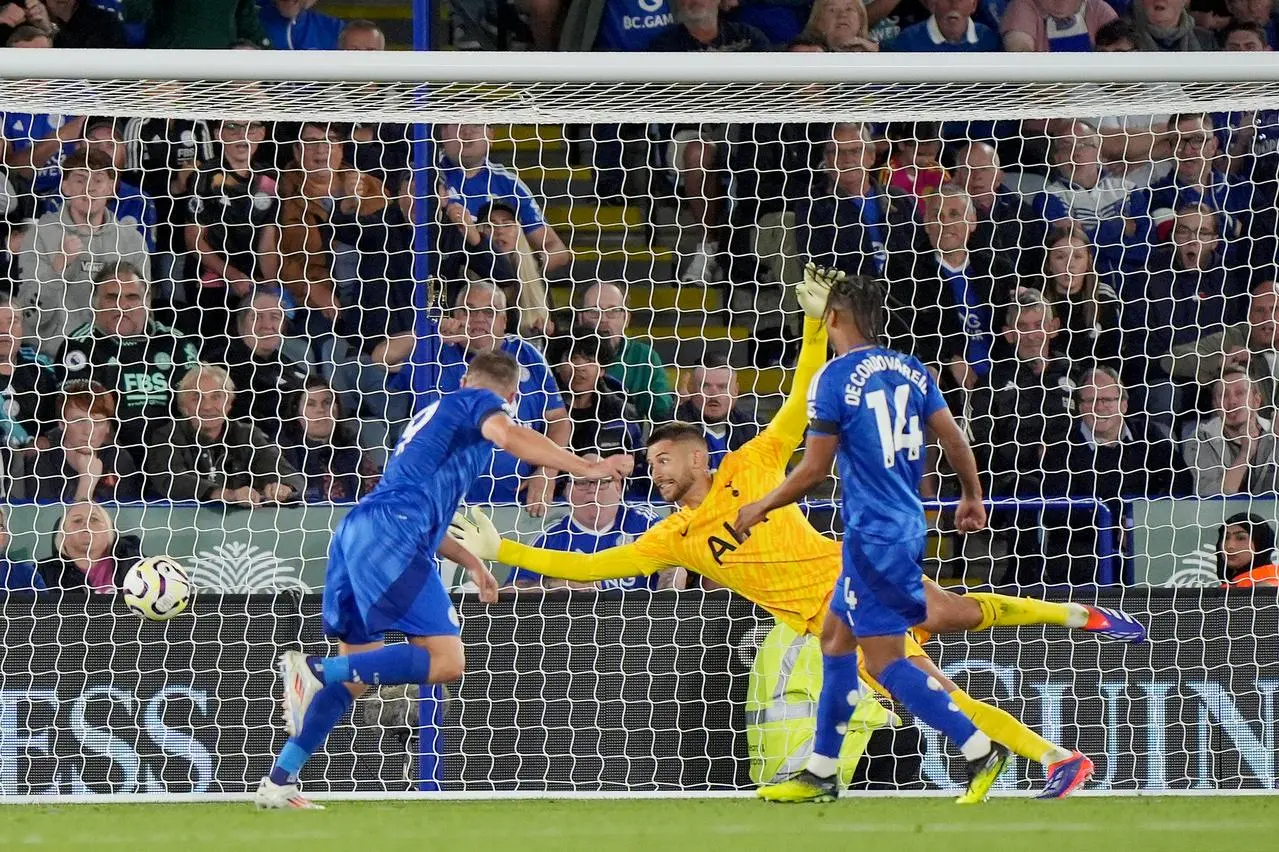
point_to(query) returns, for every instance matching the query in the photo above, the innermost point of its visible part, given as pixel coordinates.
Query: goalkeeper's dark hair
(677, 431)
(496, 367)
(862, 298)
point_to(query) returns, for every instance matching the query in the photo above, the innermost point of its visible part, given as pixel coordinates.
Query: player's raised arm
(970, 514)
(477, 534)
(540, 451)
(813, 292)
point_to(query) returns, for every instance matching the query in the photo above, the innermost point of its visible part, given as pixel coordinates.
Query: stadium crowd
(230, 311)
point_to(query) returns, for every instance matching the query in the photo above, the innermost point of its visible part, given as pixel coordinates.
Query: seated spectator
(319, 444)
(162, 157)
(35, 144)
(1080, 192)
(346, 249)
(1236, 451)
(203, 454)
(1251, 345)
(913, 165)
(701, 28)
(847, 224)
(254, 357)
(1005, 223)
(1245, 38)
(1258, 13)
(943, 294)
(63, 251)
(295, 25)
(599, 520)
(1085, 305)
(1166, 25)
(129, 204)
(15, 576)
(361, 34)
(1211, 15)
(1054, 25)
(432, 360)
(30, 37)
(637, 366)
(233, 213)
(473, 179)
(710, 401)
(526, 292)
(603, 421)
(841, 25)
(82, 462)
(463, 248)
(79, 23)
(1116, 37)
(950, 29)
(1246, 552)
(203, 24)
(135, 358)
(1108, 455)
(27, 381)
(88, 553)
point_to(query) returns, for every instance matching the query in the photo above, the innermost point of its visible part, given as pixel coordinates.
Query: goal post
(297, 227)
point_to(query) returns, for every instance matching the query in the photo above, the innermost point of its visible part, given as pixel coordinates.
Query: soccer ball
(157, 588)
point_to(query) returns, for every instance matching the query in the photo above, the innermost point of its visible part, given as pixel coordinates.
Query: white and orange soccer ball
(157, 588)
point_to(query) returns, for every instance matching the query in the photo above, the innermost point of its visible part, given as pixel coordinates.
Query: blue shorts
(880, 592)
(382, 576)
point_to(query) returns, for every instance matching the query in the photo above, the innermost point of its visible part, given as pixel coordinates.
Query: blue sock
(841, 690)
(403, 663)
(326, 710)
(926, 698)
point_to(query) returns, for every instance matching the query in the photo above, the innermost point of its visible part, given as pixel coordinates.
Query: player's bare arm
(819, 454)
(480, 575)
(539, 450)
(970, 514)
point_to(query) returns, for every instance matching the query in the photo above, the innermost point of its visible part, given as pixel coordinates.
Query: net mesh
(228, 299)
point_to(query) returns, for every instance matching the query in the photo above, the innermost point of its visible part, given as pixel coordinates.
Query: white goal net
(229, 288)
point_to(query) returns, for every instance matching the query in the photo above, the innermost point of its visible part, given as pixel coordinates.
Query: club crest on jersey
(163, 361)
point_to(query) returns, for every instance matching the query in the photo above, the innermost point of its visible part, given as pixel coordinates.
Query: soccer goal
(235, 276)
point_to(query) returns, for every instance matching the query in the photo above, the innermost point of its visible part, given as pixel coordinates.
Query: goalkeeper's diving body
(382, 573)
(786, 566)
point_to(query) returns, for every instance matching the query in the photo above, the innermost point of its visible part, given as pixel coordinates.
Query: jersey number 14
(897, 431)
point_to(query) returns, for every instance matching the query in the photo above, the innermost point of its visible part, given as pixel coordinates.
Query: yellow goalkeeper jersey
(785, 566)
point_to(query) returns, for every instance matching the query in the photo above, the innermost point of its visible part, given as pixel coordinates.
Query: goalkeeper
(786, 566)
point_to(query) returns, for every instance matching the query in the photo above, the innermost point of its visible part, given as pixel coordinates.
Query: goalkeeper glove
(814, 290)
(476, 533)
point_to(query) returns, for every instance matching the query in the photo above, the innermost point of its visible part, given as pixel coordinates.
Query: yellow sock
(1007, 611)
(1005, 729)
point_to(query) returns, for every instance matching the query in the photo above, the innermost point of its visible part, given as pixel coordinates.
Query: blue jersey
(878, 402)
(22, 130)
(493, 183)
(631, 25)
(567, 535)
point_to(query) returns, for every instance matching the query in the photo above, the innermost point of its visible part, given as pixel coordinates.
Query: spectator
(78, 23)
(599, 520)
(841, 25)
(129, 204)
(65, 248)
(1236, 451)
(233, 213)
(629, 26)
(464, 250)
(295, 25)
(1257, 13)
(943, 293)
(1244, 38)
(346, 249)
(201, 24)
(15, 576)
(1080, 191)
(476, 181)
(30, 36)
(1085, 305)
(135, 358)
(1246, 552)
(1054, 25)
(913, 165)
(432, 360)
(526, 292)
(88, 553)
(703, 29)
(203, 454)
(35, 145)
(603, 421)
(637, 365)
(82, 462)
(254, 356)
(26, 383)
(710, 400)
(162, 158)
(1166, 25)
(1117, 36)
(1005, 224)
(950, 29)
(1108, 455)
(1251, 345)
(1211, 15)
(848, 223)
(319, 444)
(361, 34)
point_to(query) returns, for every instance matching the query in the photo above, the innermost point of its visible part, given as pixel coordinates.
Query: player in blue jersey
(382, 572)
(869, 406)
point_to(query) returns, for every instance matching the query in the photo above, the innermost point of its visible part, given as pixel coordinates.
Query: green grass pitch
(1171, 824)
